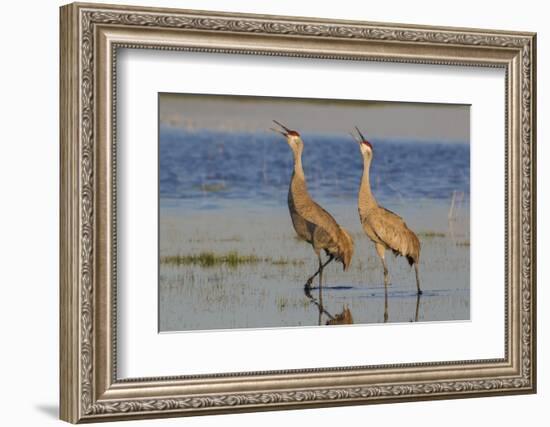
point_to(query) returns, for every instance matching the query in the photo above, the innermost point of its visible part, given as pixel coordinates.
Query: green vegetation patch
(232, 259)
(210, 259)
(431, 234)
(285, 261)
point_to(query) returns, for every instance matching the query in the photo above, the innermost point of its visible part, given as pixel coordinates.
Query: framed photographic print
(266, 212)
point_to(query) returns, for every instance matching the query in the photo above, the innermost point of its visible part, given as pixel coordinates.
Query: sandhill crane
(384, 228)
(311, 222)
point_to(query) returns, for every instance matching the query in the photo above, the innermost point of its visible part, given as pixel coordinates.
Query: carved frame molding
(90, 37)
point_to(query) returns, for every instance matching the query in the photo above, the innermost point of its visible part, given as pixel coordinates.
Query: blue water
(256, 167)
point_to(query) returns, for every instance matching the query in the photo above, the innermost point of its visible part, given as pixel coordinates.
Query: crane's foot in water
(307, 288)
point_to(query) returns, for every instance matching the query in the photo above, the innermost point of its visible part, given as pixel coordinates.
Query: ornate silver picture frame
(91, 36)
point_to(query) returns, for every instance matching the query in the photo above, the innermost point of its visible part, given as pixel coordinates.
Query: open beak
(361, 137)
(355, 139)
(285, 133)
(360, 134)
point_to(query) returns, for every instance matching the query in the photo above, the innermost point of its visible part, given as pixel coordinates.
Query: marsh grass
(232, 259)
(431, 234)
(210, 259)
(282, 302)
(286, 261)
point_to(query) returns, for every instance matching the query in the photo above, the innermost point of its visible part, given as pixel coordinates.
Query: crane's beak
(285, 134)
(280, 124)
(361, 139)
(360, 134)
(278, 131)
(354, 138)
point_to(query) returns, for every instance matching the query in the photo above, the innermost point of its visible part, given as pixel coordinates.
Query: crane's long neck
(298, 169)
(366, 200)
(298, 187)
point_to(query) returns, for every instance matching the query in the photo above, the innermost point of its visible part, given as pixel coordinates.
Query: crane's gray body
(313, 223)
(384, 228)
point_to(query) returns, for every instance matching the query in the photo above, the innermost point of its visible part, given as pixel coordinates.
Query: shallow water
(222, 193)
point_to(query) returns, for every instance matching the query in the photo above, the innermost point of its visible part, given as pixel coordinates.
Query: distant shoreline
(378, 119)
(194, 129)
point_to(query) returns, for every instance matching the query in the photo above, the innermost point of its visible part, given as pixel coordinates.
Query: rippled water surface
(213, 167)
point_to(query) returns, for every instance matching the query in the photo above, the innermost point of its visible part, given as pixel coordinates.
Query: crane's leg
(321, 267)
(417, 307)
(418, 291)
(307, 286)
(381, 250)
(386, 316)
